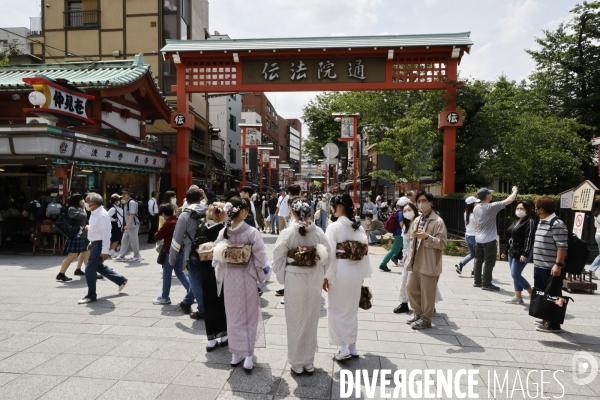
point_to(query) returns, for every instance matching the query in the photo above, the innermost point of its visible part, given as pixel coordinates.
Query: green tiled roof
(380, 41)
(89, 74)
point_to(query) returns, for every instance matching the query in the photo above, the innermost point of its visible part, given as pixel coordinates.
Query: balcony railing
(82, 19)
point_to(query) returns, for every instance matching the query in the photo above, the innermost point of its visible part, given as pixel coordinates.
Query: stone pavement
(124, 347)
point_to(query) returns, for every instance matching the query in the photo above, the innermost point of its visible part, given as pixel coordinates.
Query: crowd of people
(321, 246)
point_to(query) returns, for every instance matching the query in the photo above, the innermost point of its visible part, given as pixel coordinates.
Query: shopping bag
(548, 307)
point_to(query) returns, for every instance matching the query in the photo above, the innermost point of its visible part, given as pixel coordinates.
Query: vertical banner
(265, 155)
(273, 164)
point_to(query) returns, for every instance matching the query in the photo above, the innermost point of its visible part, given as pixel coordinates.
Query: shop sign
(50, 97)
(318, 70)
(101, 154)
(453, 118)
(41, 145)
(273, 164)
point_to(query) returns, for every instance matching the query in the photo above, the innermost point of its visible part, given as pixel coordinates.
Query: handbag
(365, 298)
(67, 226)
(237, 253)
(205, 251)
(304, 256)
(547, 307)
(162, 257)
(159, 245)
(46, 226)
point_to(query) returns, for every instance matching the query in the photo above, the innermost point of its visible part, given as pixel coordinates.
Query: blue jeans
(373, 235)
(516, 270)
(273, 218)
(94, 265)
(596, 262)
(195, 285)
(323, 220)
(471, 245)
(178, 268)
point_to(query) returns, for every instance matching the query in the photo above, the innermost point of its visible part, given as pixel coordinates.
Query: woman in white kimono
(245, 326)
(344, 278)
(300, 259)
(409, 213)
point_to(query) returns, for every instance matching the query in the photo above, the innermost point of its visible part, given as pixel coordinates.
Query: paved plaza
(124, 347)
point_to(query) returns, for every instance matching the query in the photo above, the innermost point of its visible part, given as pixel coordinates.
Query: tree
(3, 58)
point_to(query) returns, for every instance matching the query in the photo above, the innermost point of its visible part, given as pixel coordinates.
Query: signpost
(583, 198)
(578, 224)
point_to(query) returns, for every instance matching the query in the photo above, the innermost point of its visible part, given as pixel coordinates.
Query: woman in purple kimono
(238, 281)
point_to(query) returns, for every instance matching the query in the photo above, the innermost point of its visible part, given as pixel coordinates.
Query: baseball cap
(402, 201)
(484, 192)
(471, 200)
(125, 191)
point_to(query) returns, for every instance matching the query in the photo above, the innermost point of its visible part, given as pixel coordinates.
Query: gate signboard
(583, 198)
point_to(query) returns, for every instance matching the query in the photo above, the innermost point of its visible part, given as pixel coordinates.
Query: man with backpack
(549, 254)
(131, 229)
(394, 224)
(183, 236)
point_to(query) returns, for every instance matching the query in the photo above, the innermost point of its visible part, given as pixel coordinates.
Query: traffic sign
(578, 224)
(330, 150)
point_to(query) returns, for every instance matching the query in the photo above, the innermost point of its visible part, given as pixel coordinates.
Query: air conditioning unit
(38, 120)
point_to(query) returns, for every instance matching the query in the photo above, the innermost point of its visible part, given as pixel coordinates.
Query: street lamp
(349, 133)
(262, 148)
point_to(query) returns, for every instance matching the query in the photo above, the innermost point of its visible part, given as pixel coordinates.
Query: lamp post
(349, 133)
(248, 144)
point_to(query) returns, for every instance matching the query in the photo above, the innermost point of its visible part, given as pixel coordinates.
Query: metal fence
(452, 211)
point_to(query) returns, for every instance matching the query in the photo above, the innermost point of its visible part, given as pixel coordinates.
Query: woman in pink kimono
(238, 281)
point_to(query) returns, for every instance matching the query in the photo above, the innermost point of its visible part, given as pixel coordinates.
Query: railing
(82, 19)
(452, 212)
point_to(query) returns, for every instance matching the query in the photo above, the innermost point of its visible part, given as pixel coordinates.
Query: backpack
(391, 224)
(200, 236)
(67, 226)
(53, 209)
(577, 253)
(141, 210)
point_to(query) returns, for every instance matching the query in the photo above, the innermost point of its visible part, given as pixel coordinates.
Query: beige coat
(427, 258)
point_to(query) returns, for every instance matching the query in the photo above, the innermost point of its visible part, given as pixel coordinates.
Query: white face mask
(173, 200)
(87, 206)
(521, 213)
(424, 207)
(409, 215)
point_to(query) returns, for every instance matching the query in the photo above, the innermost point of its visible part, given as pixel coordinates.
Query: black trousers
(153, 228)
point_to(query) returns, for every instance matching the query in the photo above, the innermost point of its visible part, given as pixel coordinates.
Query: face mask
(173, 200)
(521, 213)
(87, 207)
(424, 207)
(409, 215)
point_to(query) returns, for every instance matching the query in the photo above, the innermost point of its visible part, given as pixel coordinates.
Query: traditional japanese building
(79, 127)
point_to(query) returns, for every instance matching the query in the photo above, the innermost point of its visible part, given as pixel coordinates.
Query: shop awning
(219, 157)
(57, 162)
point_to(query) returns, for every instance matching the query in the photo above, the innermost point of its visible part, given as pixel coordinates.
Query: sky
(500, 29)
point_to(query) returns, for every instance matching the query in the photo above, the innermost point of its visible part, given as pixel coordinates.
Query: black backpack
(200, 236)
(141, 210)
(67, 226)
(577, 253)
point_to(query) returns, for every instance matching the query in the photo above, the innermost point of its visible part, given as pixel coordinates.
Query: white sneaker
(118, 258)
(134, 259)
(594, 276)
(122, 286)
(159, 300)
(112, 253)
(84, 300)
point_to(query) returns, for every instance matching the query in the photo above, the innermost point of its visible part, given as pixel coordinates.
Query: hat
(125, 191)
(471, 200)
(281, 188)
(484, 192)
(403, 201)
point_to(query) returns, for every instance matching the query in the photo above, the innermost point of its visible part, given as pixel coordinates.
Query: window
(268, 124)
(170, 6)
(232, 158)
(233, 96)
(232, 122)
(81, 14)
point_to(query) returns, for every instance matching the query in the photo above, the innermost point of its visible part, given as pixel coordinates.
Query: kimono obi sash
(304, 256)
(351, 250)
(238, 253)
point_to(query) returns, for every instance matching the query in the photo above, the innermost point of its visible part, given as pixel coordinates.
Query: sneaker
(78, 272)
(118, 258)
(491, 287)
(384, 268)
(196, 315)
(515, 300)
(458, 268)
(413, 318)
(186, 308)
(342, 357)
(279, 292)
(122, 286)
(548, 329)
(477, 285)
(159, 300)
(134, 259)
(539, 322)
(85, 300)
(420, 324)
(401, 309)
(63, 278)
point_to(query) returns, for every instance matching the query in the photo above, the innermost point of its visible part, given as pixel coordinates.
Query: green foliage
(3, 59)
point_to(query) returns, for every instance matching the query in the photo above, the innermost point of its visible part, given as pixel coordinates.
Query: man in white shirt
(99, 237)
(153, 214)
(283, 209)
